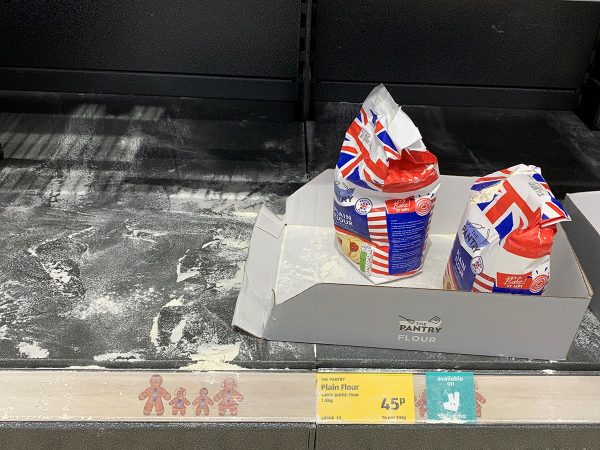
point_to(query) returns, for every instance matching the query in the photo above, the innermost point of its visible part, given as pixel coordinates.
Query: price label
(365, 397)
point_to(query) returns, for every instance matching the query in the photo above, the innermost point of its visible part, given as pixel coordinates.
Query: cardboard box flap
(269, 222)
(256, 297)
(584, 234)
(567, 278)
(587, 203)
(312, 204)
(452, 197)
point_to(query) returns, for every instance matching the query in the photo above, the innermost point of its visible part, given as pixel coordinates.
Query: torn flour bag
(506, 234)
(385, 187)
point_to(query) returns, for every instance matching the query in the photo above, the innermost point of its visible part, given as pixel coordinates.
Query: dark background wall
(196, 48)
(507, 53)
(467, 52)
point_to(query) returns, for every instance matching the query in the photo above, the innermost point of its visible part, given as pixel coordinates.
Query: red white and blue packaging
(385, 188)
(506, 234)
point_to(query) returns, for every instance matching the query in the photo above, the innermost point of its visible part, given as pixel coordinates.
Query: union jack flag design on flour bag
(506, 234)
(385, 188)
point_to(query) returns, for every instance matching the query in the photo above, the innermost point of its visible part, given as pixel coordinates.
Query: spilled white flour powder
(215, 200)
(308, 257)
(154, 330)
(188, 272)
(117, 356)
(175, 302)
(177, 332)
(235, 282)
(90, 367)
(215, 357)
(586, 337)
(246, 214)
(143, 234)
(208, 244)
(57, 273)
(69, 189)
(32, 350)
(85, 232)
(102, 304)
(233, 243)
(33, 249)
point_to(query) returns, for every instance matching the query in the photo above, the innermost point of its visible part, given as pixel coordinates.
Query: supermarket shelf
(275, 396)
(126, 202)
(63, 395)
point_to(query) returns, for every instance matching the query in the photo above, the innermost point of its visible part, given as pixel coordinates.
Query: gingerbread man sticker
(203, 400)
(228, 397)
(154, 393)
(479, 401)
(179, 402)
(421, 402)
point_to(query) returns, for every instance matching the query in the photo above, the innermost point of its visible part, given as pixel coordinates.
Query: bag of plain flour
(385, 187)
(506, 234)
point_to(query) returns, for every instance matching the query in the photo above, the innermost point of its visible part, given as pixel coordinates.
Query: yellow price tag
(365, 397)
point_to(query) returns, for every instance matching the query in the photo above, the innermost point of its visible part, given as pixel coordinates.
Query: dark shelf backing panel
(235, 38)
(217, 49)
(455, 50)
